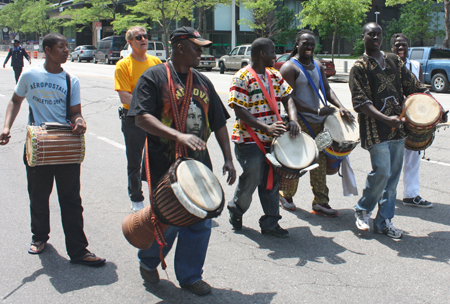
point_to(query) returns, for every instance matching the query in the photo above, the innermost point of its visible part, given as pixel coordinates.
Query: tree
(92, 10)
(446, 20)
(285, 21)
(337, 15)
(163, 12)
(264, 18)
(417, 21)
(35, 18)
(11, 14)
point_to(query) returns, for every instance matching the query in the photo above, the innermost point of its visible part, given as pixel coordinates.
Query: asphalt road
(323, 261)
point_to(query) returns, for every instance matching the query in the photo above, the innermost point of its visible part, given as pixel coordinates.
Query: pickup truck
(435, 64)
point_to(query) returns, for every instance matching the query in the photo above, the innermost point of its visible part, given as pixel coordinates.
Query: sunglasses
(139, 37)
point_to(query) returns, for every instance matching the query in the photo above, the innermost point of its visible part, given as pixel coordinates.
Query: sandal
(89, 259)
(38, 247)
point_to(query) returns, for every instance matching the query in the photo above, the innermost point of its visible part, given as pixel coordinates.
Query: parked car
(330, 69)
(109, 49)
(83, 52)
(238, 58)
(155, 48)
(207, 62)
(435, 64)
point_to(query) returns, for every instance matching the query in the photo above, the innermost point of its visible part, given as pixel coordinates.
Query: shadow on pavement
(297, 245)
(437, 214)
(168, 292)
(66, 277)
(344, 221)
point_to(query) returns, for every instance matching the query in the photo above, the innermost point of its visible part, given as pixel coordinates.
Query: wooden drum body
(53, 146)
(188, 193)
(422, 113)
(345, 135)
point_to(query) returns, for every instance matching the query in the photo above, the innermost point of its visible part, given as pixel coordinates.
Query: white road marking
(435, 162)
(109, 141)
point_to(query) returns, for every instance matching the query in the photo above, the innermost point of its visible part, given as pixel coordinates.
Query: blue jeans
(190, 253)
(381, 184)
(134, 143)
(255, 174)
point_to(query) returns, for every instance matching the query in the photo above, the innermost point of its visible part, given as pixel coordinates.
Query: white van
(155, 48)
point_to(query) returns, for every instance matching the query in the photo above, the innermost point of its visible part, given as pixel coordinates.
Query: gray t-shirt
(305, 92)
(46, 94)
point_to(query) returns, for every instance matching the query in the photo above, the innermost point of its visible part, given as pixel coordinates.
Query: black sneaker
(149, 276)
(199, 288)
(324, 210)
(236, 220)
(277, 231)
(417, 202)
(287, 203)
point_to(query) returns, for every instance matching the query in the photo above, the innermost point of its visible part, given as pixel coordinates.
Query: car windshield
(89, 47)
(283, 58)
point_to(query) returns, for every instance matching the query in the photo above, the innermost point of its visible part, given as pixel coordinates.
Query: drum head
(295, 153)
(422, 109)
(199, 184)
(341, 129)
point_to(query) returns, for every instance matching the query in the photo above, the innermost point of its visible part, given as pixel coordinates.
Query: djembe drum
(422, 113)
(345, 135)
(292, 157)
(188, 193)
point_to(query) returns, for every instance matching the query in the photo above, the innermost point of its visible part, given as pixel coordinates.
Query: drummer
(152, 109)
(309, 106)
(411, 161)
(67, 176)
(375, 80)
(257, 123)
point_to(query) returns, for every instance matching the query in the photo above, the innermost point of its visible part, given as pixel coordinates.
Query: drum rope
(271, 101)
(159, 234)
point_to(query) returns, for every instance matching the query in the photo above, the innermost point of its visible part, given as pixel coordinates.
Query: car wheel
(79, 59)
(244, 64)
(107, 61)
(71, 59)
(95, 61)
(439, 83)
(88, 60)
(222, 67)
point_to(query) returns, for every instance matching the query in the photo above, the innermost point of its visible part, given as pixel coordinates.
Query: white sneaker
(391, 231)
(136, 206)
(362, 220)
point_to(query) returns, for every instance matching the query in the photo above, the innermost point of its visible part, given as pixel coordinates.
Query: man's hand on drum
(394, 121)
(324, 111)
(229, 167)
(276, 129)
(4, 137)
(294, 128)
(191, 141)
(79, 126)
(347, 114)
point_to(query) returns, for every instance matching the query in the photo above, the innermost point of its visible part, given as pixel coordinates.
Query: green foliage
(418, 21)
(334, 18)
(11, 14)
(264, 19)
(164, 13)
(92, 11)
(28, 16)
(285, 20)
(358, 48)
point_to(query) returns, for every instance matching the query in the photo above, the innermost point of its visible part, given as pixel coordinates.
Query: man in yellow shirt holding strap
(128, 71)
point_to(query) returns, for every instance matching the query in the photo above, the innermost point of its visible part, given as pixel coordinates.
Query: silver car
(238, 58)
(83, 52)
